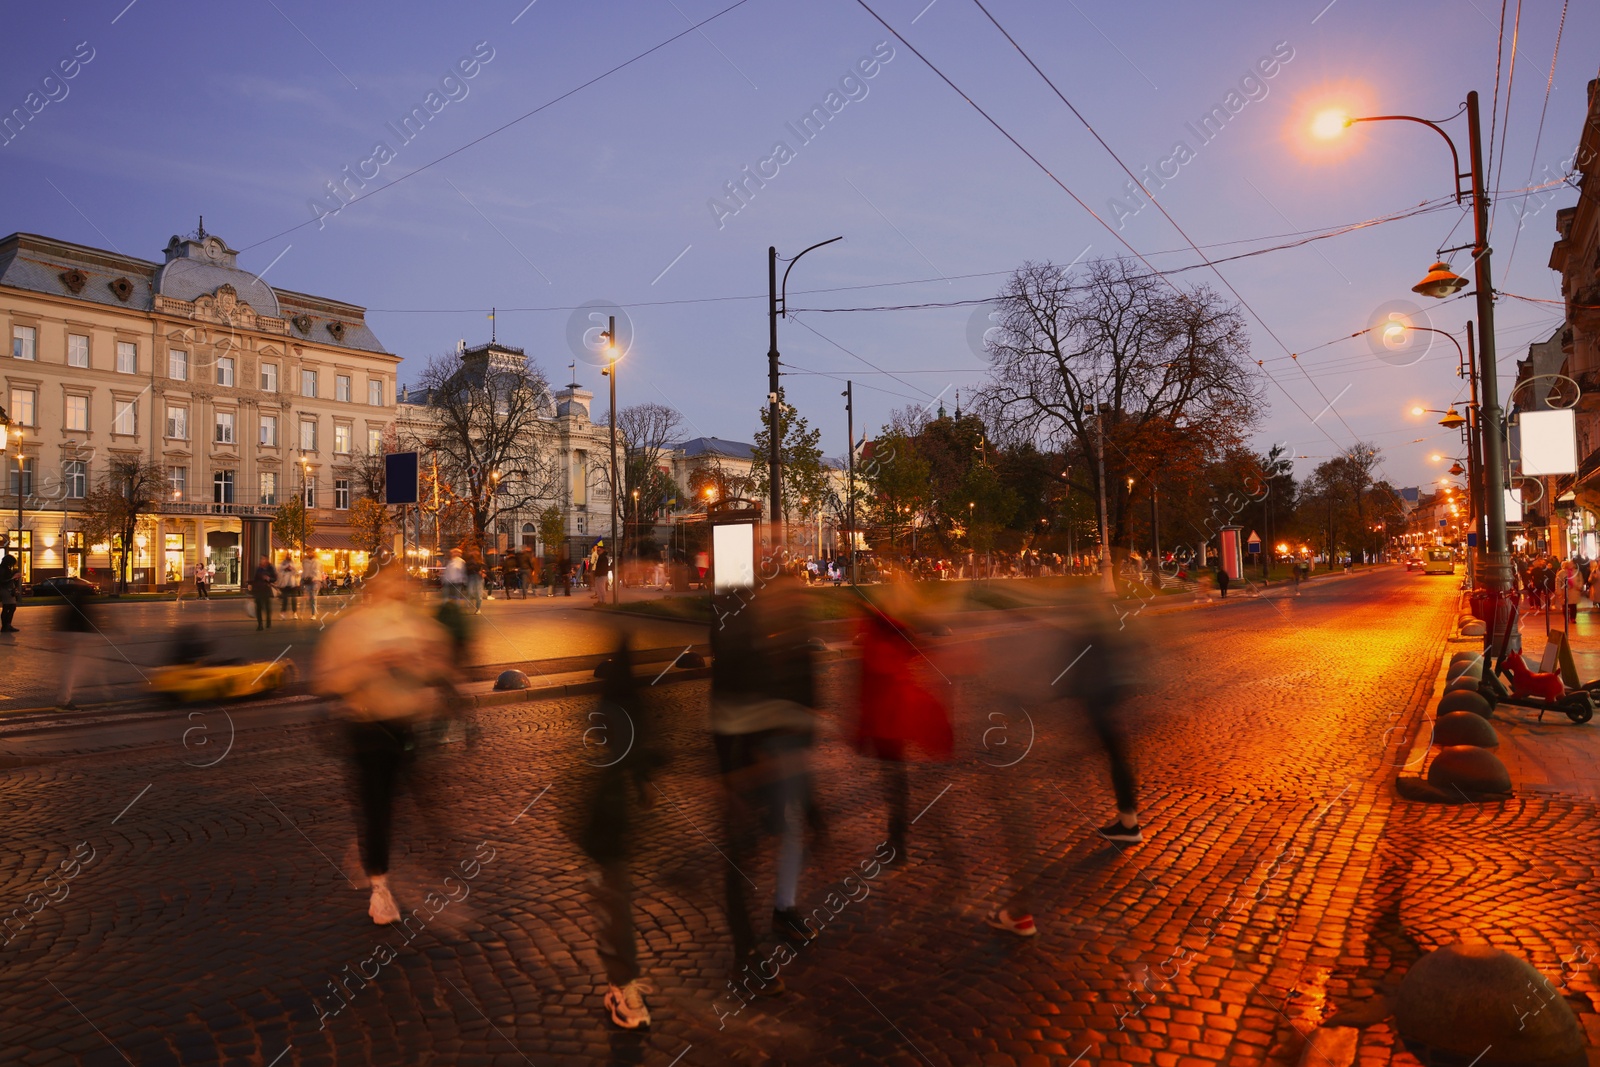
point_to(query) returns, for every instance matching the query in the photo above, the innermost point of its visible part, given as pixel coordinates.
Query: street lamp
(7, 431)
(1440, 282)
(305, 480)
(778, 304)
(610, 371)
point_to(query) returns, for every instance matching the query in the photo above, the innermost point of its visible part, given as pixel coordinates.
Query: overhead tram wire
(1505, 127)
(1538, 137)
(863, 359)
(506, 126)
(1181, 232)
(1494, 103)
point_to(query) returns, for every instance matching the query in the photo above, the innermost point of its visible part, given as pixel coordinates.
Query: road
(138, 635)
(211, 908)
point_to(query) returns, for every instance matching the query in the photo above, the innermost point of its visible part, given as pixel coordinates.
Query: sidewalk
(1556, 755)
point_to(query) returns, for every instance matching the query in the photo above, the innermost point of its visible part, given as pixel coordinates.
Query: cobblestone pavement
(208, 908)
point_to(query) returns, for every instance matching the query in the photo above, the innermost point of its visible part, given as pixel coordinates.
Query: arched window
(529, 538)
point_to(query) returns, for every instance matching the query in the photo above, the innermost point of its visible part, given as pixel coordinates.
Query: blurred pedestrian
(201, 589)
(311, 582)
(1222, 579)
(899, 720)
(262, 584)
(10, 592)
(621, 749)
(601, 571)
(763, 696)
(474, 566)
(74, 622)
(288, 589)
(453, 579)
(389, 666)
(1571, 589)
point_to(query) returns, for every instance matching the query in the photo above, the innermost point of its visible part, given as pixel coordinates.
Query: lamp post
(1108, 582)
(304, 481)
(610, 372)
(778, 304)
(1439, 283)
(850, 433)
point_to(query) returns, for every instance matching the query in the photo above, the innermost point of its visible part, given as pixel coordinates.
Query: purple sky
(244, 113)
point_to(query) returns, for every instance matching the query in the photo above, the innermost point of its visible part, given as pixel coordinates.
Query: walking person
(262, 585)
(453, 579)
(1222, 579)
(601, 571)
(10, 592)
(763, 696)
(288, 578)
(74, 622)
(474, 567)
(311, 582)
(200, 590)
(1570, 588)
(620, 743)
(389, 666)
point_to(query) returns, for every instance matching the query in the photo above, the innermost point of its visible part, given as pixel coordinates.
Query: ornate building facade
(242, 394)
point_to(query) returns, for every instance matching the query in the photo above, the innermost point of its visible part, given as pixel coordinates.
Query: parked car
(61, 585)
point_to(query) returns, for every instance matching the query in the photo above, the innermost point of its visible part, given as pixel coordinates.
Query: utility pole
(1496, 565)
(1108, 581)
(850, 432)
(616, 472)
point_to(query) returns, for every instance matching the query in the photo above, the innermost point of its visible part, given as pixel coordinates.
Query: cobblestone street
(211, 916)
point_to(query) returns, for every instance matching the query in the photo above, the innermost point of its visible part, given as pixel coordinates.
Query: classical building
(243, 394)
(1576, 255)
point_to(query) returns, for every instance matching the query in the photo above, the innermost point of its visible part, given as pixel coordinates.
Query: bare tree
(115, 510)
(1166, 372)
(492, 442)
(645, 431)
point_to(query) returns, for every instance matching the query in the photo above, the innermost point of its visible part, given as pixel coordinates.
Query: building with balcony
(243, 394)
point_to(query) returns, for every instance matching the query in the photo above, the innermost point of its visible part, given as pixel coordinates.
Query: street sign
(1442, 522)
(400, 478)
(1472, 540)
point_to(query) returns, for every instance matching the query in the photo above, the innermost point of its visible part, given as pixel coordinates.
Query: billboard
(1549, 442)
(400, 478)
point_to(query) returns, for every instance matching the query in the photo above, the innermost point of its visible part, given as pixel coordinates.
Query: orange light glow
(1330, 123)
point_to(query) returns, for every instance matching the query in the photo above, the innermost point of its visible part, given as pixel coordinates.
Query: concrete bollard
(1470, 769)
(1464, 700)
(1477, 1004)
(1464, 728)
(511, 680)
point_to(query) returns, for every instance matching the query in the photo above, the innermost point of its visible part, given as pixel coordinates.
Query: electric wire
(1174, 222)
(1538, 137)
(1494, 105)
(1505, 127)
(507, 125)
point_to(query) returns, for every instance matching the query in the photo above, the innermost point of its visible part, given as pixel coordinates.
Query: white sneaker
(382, 909)
(627, 1006)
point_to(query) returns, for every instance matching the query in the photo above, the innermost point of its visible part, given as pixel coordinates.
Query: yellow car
(189, 683)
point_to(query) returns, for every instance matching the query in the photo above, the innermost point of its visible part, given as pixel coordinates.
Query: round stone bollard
(1465, 1001)
(1463, 670)
(1464, 700)
(1464, 728)
(1475, 628)
(1470, 769)
(1467, 682)
(816, 644)
(689, 659)
(511, 680)
(603, 668)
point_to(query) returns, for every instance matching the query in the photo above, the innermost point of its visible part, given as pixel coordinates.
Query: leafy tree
(552, 531)
(120, 506)
(292, 524)
(371, 525)
(805, 477)
(714, 483)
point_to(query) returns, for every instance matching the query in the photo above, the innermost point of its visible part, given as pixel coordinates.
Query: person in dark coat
(1222, 579)
(262, 584)
(620, 747)
(75, 622)
(10, 590)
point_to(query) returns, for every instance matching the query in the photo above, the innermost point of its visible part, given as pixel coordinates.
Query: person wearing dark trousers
(1222, 580)
(390, 666)
(262, 585)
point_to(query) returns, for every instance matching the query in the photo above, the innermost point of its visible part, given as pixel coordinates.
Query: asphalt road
(211, 904)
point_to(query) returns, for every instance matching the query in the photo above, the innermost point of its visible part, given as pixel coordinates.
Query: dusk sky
(243, 113)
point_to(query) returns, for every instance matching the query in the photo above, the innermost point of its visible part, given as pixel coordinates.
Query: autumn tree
(293, 523)
(371, 525)
(1163, 373)
(122, 504)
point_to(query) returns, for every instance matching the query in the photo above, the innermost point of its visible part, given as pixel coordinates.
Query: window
(27, 477)
(375, 392)
(308, 435)
(224, 427)
(127, 420)
(127, 357)
(269, 431)
(77, 413)
(77, 350)
(341, 494)
(22, 407)
(178, 423)
(178, 365)
(222, 487)
(269, 377)
(178, 481)
(269, 488)
(341, 388)
(311, 491)
(374, 441)
(75, 478)
(341, 439)
(308, 383)
(224, 370)
(24, 342)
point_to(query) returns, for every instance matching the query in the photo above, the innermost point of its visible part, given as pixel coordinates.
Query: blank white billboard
(733, 557)
(1549, 442)
(1513, 505)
